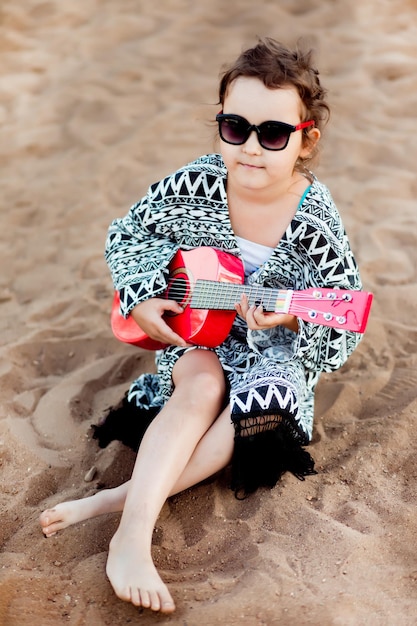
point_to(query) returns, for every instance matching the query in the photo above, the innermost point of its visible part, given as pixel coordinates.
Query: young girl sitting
(250, 401)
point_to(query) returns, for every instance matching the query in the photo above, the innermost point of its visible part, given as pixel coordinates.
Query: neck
(270, 195)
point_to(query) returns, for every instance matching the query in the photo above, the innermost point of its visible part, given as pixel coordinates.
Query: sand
(98, 100)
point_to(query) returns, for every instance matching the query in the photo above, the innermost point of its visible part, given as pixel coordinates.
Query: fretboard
(212, 295)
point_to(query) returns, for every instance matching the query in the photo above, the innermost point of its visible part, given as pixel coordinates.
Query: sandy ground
(97, 100)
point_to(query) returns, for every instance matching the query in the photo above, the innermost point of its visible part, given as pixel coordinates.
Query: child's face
(250, 165)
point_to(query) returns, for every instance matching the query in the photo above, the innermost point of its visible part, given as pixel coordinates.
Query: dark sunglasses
(235, 129)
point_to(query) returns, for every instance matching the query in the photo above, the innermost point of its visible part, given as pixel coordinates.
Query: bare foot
(68, 513)
(62, 516)
(135, 578)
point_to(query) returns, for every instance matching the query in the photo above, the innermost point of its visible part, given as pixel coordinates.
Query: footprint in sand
(221, 547)
(62, 385)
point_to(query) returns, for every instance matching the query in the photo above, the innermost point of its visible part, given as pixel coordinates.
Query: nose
(252, 145)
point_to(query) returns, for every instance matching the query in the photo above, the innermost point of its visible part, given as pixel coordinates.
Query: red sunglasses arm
(305, 125)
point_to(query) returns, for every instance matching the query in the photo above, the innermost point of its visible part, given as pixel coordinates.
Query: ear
(310, 142)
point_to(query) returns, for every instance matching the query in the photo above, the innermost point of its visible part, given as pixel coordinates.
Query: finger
(242, 310)
(170, 337)
(258, 319)
(258, 314)
(242, 307)
(173, 306)
(251, 311)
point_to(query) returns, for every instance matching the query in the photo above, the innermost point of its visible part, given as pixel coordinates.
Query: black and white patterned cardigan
(188, 209)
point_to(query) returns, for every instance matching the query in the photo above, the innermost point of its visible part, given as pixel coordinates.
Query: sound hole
(178, 290)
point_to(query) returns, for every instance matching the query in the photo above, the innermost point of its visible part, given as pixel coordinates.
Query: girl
(248, 402)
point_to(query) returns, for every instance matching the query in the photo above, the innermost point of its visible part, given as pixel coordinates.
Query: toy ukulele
(208, 282)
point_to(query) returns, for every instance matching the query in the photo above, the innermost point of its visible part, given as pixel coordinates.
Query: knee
(199, 375)
(202, 367)
(207, 387)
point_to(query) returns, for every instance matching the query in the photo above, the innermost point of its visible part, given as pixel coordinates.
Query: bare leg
(164, 453)
(166, 450)
(213, 453)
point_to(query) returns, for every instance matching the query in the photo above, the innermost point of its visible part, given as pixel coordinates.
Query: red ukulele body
(202, 327)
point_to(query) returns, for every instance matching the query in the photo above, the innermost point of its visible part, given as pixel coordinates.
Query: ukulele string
(214, 290)
(214, 295)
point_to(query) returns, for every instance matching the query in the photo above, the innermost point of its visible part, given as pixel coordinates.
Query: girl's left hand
(256, 319)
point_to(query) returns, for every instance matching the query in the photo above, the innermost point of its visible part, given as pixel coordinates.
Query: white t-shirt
(254, 254)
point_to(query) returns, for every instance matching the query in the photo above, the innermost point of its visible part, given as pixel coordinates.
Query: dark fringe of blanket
(259, 460)
(126, 423)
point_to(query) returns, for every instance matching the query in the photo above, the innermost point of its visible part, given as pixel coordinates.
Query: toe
(129, 595)
(145, 599)
(167, 603)
(44, 519)
(168, 607)
(155, 602)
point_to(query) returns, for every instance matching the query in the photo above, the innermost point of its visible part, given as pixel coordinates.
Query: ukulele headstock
(339, 308)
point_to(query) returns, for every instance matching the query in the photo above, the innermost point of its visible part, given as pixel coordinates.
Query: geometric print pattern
(272, 370)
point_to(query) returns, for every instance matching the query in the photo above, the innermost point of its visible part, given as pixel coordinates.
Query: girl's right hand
(148, 315)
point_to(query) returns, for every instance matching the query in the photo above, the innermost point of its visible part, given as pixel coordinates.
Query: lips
(251, 166)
